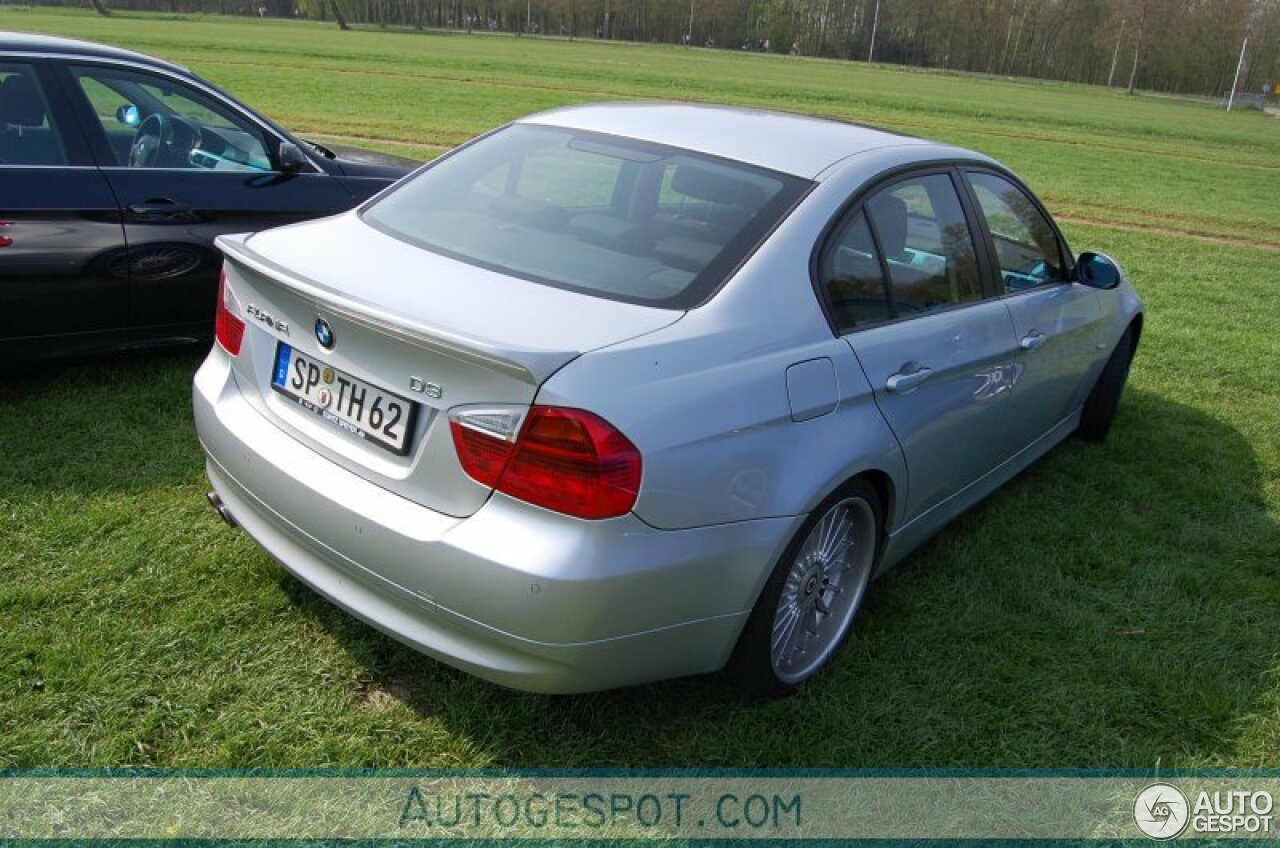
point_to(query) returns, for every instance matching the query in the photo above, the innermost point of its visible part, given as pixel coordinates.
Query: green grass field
(1116, 606)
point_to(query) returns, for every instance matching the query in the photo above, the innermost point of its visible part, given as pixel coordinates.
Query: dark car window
(28, 135)
(1025, 244)
(604, 215)
(851, 273)
(154, 122)
(927, 246)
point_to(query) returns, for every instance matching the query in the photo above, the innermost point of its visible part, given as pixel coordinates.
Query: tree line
(1176, 46)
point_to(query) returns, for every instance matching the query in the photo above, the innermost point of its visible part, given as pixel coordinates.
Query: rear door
(1056, 321)
(187, 165)
(904, 282)
(62, 268)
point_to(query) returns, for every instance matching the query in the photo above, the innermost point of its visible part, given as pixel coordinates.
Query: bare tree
(875, 24)
(1115, 56)
(1137, 47)
(337, 14)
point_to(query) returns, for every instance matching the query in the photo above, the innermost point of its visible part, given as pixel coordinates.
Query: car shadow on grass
(1111, 607)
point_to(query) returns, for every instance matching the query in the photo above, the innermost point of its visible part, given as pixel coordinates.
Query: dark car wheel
(808, 605)
(1100, 407)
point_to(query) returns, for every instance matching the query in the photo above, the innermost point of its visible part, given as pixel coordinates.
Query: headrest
(705, 184)
(890, 216)
(20, 102)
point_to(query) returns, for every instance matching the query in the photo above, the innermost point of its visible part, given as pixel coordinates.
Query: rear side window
(927, 246)
(604, 215)
(27, 133)
(853, 276)
(907, 250)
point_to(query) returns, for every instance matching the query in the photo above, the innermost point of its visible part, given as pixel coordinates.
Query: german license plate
(346, 402)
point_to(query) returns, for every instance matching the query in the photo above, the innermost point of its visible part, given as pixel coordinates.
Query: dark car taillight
(567, 460)
(227, 327)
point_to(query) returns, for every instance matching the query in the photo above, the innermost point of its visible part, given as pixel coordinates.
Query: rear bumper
(514, 594)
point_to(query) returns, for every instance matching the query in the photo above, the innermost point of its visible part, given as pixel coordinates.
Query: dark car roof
(23, 42)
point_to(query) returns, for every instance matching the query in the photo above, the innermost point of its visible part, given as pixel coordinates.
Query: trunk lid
(431, 330)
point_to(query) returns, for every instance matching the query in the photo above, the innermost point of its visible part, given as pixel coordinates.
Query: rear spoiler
(528, 365)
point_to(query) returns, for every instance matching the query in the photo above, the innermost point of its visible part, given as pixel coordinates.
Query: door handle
(911, 375)
(159, 207)
(1032, 340)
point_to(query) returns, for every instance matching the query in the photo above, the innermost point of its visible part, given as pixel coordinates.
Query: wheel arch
(882, 482)
(740, 663)
(1136, 325)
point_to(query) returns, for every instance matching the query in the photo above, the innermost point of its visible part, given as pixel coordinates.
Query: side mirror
(129, 115)
(1097, 271)
(291, 158)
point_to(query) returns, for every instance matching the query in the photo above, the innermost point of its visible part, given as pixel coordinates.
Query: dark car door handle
(911, 375)
(156, 207)
(1031, 340)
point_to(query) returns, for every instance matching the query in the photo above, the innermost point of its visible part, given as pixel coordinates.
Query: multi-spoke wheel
(808, 605)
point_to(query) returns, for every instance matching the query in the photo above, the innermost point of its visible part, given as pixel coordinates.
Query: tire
(812, 596)
(1100, 407)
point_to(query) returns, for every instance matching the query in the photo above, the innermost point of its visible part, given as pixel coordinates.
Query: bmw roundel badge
(324, 334)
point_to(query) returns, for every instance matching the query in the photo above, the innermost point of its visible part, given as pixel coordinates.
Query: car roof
(794, 144)
(49, 45)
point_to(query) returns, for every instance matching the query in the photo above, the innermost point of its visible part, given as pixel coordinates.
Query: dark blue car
(117, 170)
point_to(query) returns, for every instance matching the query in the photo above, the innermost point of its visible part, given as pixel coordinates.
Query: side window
(1026, 247)
(568, 178)
(27, 132)
(152, 122)
(927, 246)
(851, 274)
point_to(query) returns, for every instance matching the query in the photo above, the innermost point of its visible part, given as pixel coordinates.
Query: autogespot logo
(1161, 811)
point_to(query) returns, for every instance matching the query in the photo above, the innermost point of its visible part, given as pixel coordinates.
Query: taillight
(568, 460)
(485, 438)
(227, 326)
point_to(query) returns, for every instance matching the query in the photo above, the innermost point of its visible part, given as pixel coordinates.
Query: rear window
(607, 216)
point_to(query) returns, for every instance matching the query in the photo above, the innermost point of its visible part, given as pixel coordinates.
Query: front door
(186, 166)
(1056, 321)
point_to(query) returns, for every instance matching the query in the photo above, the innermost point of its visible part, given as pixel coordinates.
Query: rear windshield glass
(599, 214)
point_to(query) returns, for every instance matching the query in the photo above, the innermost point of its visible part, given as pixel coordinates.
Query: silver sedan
(625, 392)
